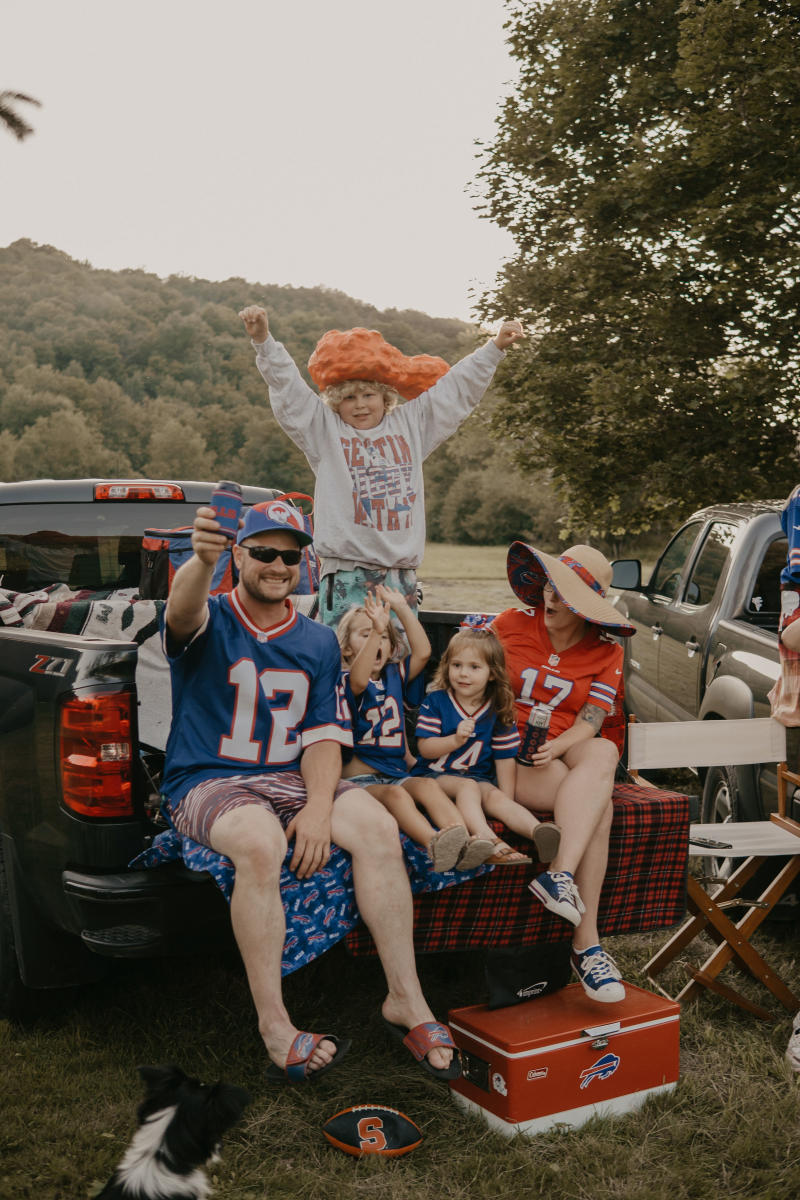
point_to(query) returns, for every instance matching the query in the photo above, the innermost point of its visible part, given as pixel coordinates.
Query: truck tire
(14, 996)
(719, 805)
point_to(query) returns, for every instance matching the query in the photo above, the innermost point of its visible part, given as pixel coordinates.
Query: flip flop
(506, 856)
(300, 1051)
(420, 1040)
(546, 839)
(446, 846)
(476, 851)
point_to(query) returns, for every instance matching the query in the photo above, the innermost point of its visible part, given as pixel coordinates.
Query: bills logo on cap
(284, 514)
(275, 515)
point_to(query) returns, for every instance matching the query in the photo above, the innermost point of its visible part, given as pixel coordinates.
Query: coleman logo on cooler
(537, 1073)
(604, 1068)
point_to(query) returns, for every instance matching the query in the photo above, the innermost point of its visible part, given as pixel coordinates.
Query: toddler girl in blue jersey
(379, 683)
(467, 737)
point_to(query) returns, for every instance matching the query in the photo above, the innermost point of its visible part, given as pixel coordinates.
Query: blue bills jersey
(247, 700)
(378, 717)
(440, 715)
(790, 520)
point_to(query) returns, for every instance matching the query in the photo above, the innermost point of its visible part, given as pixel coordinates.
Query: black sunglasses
(268, 554)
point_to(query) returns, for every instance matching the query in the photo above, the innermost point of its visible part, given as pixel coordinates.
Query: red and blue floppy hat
(580, 578)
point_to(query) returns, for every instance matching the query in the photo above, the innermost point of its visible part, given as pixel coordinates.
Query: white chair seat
(763, 838)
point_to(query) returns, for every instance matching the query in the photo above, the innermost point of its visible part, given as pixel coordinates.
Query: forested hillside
(123, 373)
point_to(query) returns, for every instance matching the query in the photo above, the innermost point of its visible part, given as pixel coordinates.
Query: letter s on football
(372, 1129)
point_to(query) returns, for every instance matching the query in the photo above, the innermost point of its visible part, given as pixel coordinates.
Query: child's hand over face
(255, 322)
(379, 613)
(509, 332)
(464, 731)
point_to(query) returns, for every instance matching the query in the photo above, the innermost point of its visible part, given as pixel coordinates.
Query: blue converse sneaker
(558, 893)
(599, 974)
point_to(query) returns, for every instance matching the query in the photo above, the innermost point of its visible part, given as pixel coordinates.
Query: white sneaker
(599, 974)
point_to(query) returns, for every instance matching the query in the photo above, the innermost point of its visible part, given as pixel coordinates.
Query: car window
(102, 550)
(671, 567)
(765, 597)
(710, 564)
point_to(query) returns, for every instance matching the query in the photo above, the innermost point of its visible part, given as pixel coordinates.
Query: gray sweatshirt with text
(369, 499)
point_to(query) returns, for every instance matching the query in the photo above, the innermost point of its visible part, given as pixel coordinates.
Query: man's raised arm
(187, 605)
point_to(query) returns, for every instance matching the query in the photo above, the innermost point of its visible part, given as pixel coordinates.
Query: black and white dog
(181, 1123)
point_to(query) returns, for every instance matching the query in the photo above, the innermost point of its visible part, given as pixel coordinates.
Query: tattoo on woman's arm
(593, 715)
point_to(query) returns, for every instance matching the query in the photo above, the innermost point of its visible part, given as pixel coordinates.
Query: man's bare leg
(252, 838)
(369, 834)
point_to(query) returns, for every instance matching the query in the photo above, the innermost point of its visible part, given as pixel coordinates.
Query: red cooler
(563, 1058)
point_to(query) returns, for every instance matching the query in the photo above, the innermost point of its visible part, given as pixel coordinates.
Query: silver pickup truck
(706, 644)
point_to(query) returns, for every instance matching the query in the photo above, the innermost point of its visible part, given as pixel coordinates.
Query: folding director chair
(706, 744)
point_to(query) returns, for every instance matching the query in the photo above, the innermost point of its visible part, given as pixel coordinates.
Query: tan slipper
(506, 856)
(446, 846)
(475, 852)
(547, 839)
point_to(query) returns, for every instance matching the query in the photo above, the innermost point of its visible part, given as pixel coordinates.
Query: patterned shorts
(283, 793)
(342, 590)
(375, 777)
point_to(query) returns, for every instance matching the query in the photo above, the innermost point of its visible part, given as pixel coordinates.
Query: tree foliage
(122, 373)
(646, 165)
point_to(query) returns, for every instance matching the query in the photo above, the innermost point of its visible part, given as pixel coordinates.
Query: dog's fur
(181, 1123)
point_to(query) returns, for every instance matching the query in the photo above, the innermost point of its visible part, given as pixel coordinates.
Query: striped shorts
(283, 793)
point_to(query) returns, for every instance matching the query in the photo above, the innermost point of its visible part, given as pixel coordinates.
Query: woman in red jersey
(565, 668)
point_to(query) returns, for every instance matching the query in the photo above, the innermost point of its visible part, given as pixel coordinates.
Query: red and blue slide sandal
(300, 1051)
(420, 1040)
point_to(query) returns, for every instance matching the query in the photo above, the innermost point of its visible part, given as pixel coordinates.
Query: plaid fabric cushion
(644, 889)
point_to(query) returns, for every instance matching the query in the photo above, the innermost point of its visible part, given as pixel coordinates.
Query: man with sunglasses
(253, 763)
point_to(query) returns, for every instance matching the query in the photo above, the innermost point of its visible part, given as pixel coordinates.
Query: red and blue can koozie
(226, 500)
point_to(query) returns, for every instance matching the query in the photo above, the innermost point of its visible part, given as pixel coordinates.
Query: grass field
(467, 578)
(729, 1130)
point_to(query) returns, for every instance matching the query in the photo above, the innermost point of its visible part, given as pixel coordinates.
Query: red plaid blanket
(645, 886)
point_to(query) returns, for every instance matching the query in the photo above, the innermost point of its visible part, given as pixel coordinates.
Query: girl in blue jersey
(467, 737)
(378, 684)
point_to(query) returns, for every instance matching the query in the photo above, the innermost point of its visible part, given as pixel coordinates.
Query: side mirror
(627, 574)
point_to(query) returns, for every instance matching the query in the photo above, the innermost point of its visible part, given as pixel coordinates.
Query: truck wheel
(720, 804)
(14, 996)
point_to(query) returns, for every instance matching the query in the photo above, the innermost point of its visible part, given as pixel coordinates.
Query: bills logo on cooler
(604, 1068)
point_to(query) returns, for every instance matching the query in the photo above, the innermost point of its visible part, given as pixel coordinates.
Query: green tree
(174, 443)
(63, 446)
(163, 379)
(646, 166)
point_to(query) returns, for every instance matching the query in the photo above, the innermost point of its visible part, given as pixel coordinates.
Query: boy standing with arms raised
(366, 448)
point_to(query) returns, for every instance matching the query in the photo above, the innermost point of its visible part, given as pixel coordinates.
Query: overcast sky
(297, 142)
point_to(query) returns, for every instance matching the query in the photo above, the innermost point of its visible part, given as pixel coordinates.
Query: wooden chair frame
(709, 743)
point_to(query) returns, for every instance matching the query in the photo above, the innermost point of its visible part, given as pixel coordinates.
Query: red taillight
(96, 758)
(138, 491)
